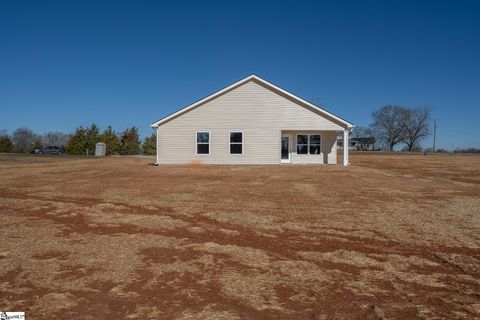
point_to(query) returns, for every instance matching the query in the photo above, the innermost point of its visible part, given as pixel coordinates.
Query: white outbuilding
(100, 149)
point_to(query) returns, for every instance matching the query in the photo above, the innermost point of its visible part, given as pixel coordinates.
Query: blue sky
(129, 63)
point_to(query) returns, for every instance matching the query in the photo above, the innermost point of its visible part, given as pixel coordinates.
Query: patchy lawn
(391, 237)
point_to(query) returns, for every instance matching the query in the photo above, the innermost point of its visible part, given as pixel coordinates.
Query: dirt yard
(391, 237)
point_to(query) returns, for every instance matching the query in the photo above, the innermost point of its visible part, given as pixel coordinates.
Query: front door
(285, 149)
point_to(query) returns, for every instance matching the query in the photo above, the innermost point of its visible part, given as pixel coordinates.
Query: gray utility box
(100, 149)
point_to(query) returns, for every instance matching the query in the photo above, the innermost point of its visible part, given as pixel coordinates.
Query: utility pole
(434, 133)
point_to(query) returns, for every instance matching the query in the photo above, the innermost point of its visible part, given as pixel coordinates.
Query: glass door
(285, 149)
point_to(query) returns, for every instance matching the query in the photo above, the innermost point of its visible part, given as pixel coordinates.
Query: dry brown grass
(391, 237)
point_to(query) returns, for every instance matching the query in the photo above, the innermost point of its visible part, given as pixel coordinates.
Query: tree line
(81, 142)
(393, 125)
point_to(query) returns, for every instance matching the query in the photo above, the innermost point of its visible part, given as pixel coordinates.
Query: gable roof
(266, 84)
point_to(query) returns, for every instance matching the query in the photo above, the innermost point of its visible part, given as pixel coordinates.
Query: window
(236, 142)
(302, 144)
(203, 142)
(308, 144)
(314, 144)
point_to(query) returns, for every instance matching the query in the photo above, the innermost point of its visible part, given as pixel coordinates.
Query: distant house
(358, 144)
(250, 122)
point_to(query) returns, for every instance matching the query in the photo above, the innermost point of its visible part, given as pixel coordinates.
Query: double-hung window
(302, 144)
(314, 144)
(236, 142)
(203, 142)
(308, 144)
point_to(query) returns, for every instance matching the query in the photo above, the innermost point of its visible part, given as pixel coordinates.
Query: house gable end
(267, 86)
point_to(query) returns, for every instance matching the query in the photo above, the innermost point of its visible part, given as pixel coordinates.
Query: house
(358, 144)
(250, 122)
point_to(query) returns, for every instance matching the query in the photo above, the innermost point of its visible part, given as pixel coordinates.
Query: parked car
(52, 150)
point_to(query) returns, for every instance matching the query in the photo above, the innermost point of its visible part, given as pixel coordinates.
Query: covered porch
(311, 146)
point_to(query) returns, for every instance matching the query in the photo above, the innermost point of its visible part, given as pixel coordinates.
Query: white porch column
(345, 148)
(156, 144)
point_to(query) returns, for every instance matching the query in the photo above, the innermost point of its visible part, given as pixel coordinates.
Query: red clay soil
(390, 237)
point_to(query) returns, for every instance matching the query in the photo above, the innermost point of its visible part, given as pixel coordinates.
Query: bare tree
(362, 132)
(388, 125)
(54, 138)
(23, 139)
(415, 126)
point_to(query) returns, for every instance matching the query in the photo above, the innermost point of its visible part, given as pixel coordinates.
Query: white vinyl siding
(261, 113)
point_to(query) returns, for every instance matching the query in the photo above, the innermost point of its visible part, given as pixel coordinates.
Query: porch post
(345, 148)
(156, 146)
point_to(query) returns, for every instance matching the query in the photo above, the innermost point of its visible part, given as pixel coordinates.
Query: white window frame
(209, 143)
(241, 143)
(308, 144)
(296, 144)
